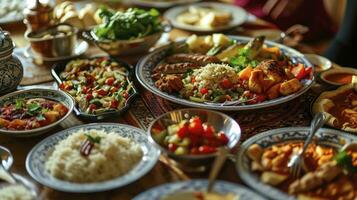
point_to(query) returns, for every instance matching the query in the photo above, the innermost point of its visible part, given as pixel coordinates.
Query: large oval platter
(326, 137)
(36, 159)
(147, 63)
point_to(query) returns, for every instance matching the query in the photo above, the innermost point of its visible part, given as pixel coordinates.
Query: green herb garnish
(19, 103)
(93, 139)
(345, 161)
(213, 51)
(33, 109)
(40, 117)
(133, 23)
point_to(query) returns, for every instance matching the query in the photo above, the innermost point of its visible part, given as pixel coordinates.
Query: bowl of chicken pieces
(226, 72)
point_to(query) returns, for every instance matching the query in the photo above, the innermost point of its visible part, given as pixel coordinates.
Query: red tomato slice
(114, 104)
(195, 128)
(223, 138)
(208, 131)
(172, 147)
(183, 131)
(102, 92)
(205, 149)
(226, 84)
(109, 81)
(299, 71)
(89, 97)
(204, 91)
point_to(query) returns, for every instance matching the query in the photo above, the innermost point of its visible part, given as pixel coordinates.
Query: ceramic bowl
(46, 43)
(340, 70)
(220, 121)
(55, 95)
(123, 47)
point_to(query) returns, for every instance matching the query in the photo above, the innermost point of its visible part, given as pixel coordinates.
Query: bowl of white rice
(92, 158)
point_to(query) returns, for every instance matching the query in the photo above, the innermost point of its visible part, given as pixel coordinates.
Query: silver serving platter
(36, 159)
(326, 137)
(223, 187)
(147, 63)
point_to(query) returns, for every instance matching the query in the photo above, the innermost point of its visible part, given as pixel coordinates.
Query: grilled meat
(192, 58)
(169, 83)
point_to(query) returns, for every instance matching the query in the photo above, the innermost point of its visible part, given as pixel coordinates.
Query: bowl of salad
(192, 137)
(102, 87)
(126, 32)
(32, 112)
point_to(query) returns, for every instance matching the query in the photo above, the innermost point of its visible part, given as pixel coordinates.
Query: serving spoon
(216, 168)
(6, 160)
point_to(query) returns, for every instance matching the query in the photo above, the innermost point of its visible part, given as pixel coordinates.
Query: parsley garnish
(93, 139)
(33, 109)
(345, 161)
(40, 117)
(242, 60)
(19, 103)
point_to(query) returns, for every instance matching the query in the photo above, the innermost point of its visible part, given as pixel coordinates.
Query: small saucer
(80, 49)
(321, 63)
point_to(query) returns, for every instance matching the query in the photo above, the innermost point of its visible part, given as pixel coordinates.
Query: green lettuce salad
(130, 24)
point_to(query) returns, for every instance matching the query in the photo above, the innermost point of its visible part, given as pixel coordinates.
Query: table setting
(169, 100)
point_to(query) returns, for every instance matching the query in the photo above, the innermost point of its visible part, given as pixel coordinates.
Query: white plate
(36, 159)
(80, 49)
(161, 3)
(328, 137)
(239, 16)
(222, 187)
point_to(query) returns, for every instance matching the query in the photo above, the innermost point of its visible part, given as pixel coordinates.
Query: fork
(296, 163)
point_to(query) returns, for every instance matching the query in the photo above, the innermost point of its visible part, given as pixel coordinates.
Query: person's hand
(278, 8)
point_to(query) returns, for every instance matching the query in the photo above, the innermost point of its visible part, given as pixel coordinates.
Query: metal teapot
(11, 70)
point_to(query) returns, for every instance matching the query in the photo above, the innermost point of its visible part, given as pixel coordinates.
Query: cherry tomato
(109, 81)
(223, 138)
(183, 131)
(208, 131)
(299, 71)
(92, 107)
(114, 104)
(194, 150)
(85, 90)
(114, 89)
(89, 97)
(62, 86)
(125, 95)
(203, 91)
(226, 84)
(172, 147)
(205, 149)
(195, 119)
(193, 79)
(102, 92)
(195, 126)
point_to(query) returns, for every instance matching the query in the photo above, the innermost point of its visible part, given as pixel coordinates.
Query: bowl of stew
(33, 112)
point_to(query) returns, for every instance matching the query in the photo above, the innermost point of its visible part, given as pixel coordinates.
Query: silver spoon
(216, 168)
(6, 161)
(296, 163)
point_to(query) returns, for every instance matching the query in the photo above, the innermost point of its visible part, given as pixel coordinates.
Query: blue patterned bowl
(222, 187)
(55, 95)
(36, 159)
(326, 137)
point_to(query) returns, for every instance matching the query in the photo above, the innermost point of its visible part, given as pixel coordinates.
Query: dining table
(147, 107)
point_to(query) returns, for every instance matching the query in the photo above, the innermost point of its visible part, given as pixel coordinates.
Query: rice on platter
(15, 192)
(93, 156)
